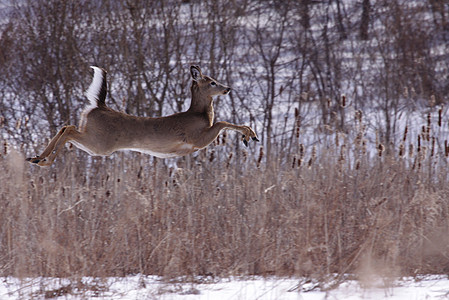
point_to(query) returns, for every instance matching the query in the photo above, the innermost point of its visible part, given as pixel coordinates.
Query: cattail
(419, 144)
(429, 123)
(410, 150)
(298, 127)
(312, 157)
(294, 162)
(223, 138)
(401, 150)
(309, 164)
(358, 115)
(342, 154)
(337, 141)
(414, 163)
(245, 155)
(343, 101)
(301, 151)
(358, 138)
(423, 153)
(259, 160)
(380, 149)
(229, 160)
(446, 148)
(212, 155)
(440, 116)
(5, 148)
(357, 164)
(423, 132)
(405, 134)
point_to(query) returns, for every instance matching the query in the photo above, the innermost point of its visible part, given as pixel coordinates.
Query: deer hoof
(34, 160)
(245, 141)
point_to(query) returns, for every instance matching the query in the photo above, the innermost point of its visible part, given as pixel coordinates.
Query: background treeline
(347, 97)
(386, 57)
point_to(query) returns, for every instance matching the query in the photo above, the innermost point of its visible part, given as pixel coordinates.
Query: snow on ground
(151, 287)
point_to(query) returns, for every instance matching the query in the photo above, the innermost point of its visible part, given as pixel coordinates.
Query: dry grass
(332, 209)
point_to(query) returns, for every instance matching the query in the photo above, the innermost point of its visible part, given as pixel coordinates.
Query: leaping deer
(103, 130)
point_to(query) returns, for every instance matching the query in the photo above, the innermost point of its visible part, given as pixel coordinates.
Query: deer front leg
(48, 156)
(211, 133)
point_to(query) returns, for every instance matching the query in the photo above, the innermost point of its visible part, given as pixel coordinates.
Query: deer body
(103, 130)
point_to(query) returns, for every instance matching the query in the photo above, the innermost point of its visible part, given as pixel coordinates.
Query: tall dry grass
(333, 208)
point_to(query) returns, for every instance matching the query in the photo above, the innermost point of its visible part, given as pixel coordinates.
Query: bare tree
(365, 20)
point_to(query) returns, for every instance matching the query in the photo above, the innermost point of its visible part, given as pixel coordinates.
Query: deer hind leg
(64, 135)
(48, 149)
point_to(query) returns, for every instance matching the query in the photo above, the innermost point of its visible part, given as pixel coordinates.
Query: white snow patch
(152, 287)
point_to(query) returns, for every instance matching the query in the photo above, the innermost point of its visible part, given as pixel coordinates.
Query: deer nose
(227, 91)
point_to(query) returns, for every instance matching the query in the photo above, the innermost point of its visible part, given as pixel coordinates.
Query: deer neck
(202, 104)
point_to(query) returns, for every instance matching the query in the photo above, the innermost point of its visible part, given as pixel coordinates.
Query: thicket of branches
(388, 56)
(347, 98)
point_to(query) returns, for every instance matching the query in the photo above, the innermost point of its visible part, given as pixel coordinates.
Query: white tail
(103, 130)
(96, 93)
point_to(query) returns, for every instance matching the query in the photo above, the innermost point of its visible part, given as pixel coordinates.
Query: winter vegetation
(348, 97)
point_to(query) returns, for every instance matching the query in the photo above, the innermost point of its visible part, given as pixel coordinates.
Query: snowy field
(150, 287)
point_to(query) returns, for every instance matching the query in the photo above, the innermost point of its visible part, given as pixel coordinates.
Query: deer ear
(196, 73)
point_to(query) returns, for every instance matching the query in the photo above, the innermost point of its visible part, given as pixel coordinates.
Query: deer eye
(213, 83)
